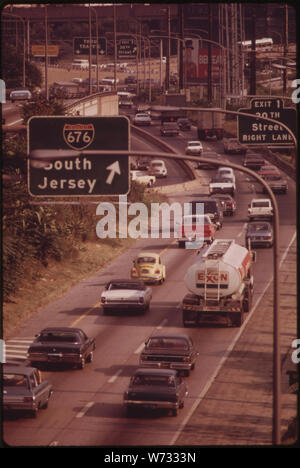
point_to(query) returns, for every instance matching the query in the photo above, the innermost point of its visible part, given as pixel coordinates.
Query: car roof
(148, 254)
(61, 329)
(166, 335)
(126, 280)
(15, 369)
(153, 371)
(259, 222)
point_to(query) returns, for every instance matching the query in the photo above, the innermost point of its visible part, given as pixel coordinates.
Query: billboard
(39, 50)
(196, 62)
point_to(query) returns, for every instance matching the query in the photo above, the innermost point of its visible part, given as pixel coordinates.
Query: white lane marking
(114, 377)
(159, 327)
(162, 324)
(85, 409)
(227, 352)
(139, 349)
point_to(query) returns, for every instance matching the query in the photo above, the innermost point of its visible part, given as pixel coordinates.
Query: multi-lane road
(86, 406)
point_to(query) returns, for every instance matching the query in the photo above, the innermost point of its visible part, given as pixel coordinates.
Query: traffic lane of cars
(174, 172)
(113, 407)
(106, 402)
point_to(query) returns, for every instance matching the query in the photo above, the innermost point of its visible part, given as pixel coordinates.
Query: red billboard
(196, 62)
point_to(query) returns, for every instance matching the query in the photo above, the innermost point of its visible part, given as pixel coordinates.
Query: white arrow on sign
(114, 168)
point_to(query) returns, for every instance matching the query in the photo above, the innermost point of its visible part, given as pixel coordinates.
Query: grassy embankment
(48, 249)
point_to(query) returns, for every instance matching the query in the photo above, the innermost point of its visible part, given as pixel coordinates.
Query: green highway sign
(81, 46)
(63, 158)
(259, 132)
(126, 48)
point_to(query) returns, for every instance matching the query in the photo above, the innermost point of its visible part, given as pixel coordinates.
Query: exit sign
(64, 158)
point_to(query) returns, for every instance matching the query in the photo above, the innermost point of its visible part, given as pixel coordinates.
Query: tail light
(141, 300)
(157, 272)
(28, 399)
(103, 299)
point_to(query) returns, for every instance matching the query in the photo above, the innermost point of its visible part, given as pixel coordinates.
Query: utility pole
(253, 55)
(285, 48)
(181, 31)
(209, 61)
(168, 51)
(90, 51)
(46, 53)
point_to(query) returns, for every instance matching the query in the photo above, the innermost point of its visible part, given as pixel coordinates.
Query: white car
(126, 294)
(226, 172)
(143, 178)
(158, 168)
(20, 95)
(221, 185)
(260, 208)
(194, 147)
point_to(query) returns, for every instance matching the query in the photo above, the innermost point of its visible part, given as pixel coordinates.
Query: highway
(86, 407)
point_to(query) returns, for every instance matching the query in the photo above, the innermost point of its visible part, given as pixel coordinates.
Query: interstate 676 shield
(63, 159)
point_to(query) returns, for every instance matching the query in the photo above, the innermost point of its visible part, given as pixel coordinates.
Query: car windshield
(168, 343)
(154, 380)
(258, 227)
(124, 285)
(170, 124)
(146, 260)
(273, 177)
(157, 164)
(261, 204)
(58, 337)
(15, 380)
(194, 143)
(208, 206)
(221, 179)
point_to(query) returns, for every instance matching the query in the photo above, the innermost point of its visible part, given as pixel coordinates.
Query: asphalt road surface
(86, 407)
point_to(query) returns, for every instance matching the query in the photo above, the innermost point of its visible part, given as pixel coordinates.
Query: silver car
(259, 233)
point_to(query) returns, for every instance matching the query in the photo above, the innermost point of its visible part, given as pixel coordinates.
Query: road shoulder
(237, 408)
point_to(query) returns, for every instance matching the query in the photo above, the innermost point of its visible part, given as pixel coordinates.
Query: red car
(196, 228)
(267, 170)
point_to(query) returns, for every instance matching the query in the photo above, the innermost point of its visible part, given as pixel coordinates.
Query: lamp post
(24, 45)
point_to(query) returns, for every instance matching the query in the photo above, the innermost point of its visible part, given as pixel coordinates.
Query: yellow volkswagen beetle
(148, 267)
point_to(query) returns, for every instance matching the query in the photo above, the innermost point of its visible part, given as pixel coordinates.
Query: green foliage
(12, 68)
(42, 107)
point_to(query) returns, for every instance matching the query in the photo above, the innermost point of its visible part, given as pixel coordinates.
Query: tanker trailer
(220, 284)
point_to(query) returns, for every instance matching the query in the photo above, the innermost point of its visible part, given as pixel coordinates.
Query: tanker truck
(220, 285)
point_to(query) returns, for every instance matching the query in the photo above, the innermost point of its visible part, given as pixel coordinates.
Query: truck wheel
(239, 319)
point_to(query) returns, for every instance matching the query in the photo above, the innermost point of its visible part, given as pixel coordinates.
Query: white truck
(210, 124)
(220, 285)
(260, 208)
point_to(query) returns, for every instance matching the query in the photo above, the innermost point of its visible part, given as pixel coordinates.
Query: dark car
(259, 233)
(233, 146)
(228, 204)
(62, 345)
(253, 161)
(155, 389)
(211, 207)
(276, 183)
(169, 351)
(169, 129)
(210, 155)
(130, 80)
(268, 170)
(184, 124)
(24, 390)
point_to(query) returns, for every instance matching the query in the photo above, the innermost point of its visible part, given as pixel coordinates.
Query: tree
(12, 69)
